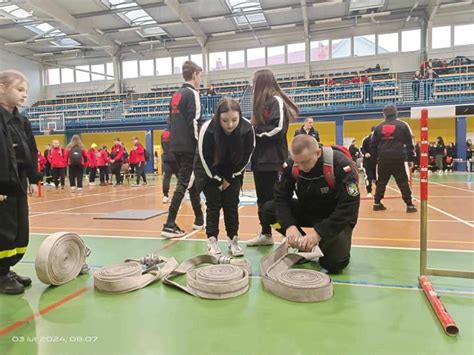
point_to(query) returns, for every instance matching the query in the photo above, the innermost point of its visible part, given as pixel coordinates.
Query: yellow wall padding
(41, 141)
(327, 131)
(107, 138)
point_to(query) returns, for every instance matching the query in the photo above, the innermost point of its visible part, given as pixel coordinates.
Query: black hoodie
(204, 168)
(392, 140)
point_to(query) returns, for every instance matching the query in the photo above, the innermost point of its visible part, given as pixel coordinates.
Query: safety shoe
(213, 247)
(234, 246)
(260, 239)
(25, 281)
(378, 207)
(411, 209)
(172, 232)
(165, 199)
(198, 223)
(10, 286)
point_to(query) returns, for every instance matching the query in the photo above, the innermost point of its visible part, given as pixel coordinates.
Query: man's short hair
(302, 142)
(308, 118)
(390, 111)
(189, 68)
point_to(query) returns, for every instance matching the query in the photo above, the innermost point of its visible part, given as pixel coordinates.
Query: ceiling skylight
(251, 12)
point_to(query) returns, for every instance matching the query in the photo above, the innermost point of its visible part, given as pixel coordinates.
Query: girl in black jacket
(225, 146)
(272, 111)
(18, 154)
(440, 153)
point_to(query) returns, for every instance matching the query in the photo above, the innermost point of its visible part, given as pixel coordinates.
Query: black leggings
(115, 169)
(76, 173)
(169, 168)
(104, 174)
(140, 171)
(264, 185)
(228, 200)
(92, 174)
(59, 174)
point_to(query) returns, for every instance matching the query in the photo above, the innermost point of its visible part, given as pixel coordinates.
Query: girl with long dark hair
(225, 146)
(272, 111)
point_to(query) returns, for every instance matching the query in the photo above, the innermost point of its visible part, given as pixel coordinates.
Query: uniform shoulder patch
(352, 189)
(347, 169)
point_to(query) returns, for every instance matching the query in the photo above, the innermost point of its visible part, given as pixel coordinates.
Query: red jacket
(116, 153)
(92, 158)
(132, 157)
(57, 157)
(41, 162)
(103, 158)
(83, 157)
(139, 153)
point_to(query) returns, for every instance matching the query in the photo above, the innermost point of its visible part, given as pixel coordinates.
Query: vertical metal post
(424, 191)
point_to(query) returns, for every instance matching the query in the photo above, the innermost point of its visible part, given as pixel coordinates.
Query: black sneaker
(25, 281)
(10, 286)
(411, 209)
(198, 223)
(378, 207)
(172, 232)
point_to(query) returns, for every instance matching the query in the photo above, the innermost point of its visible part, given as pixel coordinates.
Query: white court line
(439, 210)
(84, 206)
(104, 236)
(80, 195)
(72, 213)
(451, 187)
(393, 287)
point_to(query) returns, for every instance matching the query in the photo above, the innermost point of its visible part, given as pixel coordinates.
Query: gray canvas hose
(299, 285)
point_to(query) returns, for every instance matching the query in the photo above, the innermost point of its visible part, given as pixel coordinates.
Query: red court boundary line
(43, 311)
(20, 323)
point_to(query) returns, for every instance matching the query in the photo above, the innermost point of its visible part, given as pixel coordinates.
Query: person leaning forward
(331, 212)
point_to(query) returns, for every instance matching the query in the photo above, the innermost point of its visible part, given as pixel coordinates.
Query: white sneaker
(92, 183)
(135, 185)
(369, 195)
(165, 199)
(79, 189)
(73, 189)
(234, 246)
(260, 239)
(213, 247)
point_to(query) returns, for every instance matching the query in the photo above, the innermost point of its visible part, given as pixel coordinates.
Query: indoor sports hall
(108, 277)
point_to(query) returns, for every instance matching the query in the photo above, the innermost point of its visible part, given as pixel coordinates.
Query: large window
(463, 35)
(147, 67)
(388, 43)
(217, 61)
(98, 72)
(110, 70)
(411, 40)
(364, 45)
(163, 66)
(296, 53)
(236, 59)
(83, 74)
(178, 64)
(130, 69)
(320, 50)
(54, 76)
(341, 48)
(197, 58)
(276, 55)
(67, 75)
(255, 57)
(441, 37)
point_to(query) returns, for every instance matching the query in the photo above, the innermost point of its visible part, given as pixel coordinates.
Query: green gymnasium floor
(376, 309)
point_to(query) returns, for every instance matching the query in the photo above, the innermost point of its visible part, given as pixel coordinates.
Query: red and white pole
(444, 318)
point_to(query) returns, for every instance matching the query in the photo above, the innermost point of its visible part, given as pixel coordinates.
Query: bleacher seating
(346, 90)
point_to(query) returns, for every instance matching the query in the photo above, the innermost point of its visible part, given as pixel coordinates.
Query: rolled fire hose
(226, 278)
(132, 274)
(61, 258)
(299, 285)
